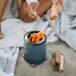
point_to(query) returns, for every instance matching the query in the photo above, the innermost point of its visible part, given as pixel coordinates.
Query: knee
(26, 18)
(23, 15)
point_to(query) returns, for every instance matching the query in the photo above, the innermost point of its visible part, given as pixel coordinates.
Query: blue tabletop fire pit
(34, 52)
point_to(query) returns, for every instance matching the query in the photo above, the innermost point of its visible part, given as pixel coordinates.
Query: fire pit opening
(35, 36)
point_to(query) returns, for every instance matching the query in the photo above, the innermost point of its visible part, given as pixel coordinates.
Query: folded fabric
(65, 24)
(8, 58)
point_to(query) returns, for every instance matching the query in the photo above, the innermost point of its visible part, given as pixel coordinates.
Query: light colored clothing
(8, 58)
(30, 1)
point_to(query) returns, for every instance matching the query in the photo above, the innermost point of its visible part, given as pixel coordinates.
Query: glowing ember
(35, 37)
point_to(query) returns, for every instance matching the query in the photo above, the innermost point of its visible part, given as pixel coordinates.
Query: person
(32, 9)
(28, 10)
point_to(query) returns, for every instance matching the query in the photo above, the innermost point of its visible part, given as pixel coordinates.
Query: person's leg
(44, 5)
(2, 8)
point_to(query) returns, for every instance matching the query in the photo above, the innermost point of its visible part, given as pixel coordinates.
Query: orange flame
(35, 37)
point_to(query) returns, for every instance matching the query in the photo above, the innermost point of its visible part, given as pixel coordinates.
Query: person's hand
(32, 10)
(59, 4)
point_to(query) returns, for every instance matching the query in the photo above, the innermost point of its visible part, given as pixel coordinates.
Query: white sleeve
(30, 1)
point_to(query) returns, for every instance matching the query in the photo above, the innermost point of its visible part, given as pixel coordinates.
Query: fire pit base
(34, 62)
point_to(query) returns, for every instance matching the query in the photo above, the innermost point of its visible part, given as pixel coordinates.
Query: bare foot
(1, 35)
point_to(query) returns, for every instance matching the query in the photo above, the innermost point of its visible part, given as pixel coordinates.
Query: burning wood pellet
(57, 61)
(35, 37)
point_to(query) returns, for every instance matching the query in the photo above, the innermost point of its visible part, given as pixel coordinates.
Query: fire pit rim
(34, 43)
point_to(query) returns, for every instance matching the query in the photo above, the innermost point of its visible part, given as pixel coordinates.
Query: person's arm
(2, 8)
(30, 1)
(32, 8)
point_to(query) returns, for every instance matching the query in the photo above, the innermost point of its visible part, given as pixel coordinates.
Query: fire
(35, 37)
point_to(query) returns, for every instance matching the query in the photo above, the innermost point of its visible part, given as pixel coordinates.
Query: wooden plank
(61, 63)
(58, 57)
(53, 61)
